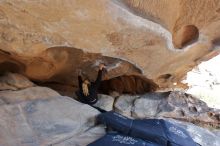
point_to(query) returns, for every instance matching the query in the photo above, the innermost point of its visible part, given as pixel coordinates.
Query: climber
(87, 92)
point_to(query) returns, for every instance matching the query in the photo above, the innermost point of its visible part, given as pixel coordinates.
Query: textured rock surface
(103, 28)
(105, 102)
(124, 104)
(177, 105)
(202, 14)
(84, 138)
(27, 94)
(185, 35)
(14, 81)
(16, 88)
(174, 104)
(59, 120)
(202, 136)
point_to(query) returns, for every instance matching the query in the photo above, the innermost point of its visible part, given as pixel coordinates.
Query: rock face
(56, 121)
(124, 104)
(27, 94)
(203, 16)
(185, 35)
(34, 115)
(105, 102)
(200, 135)
(176, 105)
(50, 48)
(15, 88)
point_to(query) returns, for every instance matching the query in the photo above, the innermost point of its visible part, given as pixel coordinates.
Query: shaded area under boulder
(129, 84)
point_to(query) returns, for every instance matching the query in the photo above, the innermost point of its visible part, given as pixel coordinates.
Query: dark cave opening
(10, 67)
(128, 84)
(125, 84)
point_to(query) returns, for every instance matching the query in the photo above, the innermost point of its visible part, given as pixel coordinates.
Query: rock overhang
(121, 31)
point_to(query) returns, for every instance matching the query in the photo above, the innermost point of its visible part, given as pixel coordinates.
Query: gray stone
(2, 102)
(105, 102)
(124, 104)
(31, 93)
(147, 105)
(13, 81)
(202, 136)
(46, 122)
(177, 105)
(84, 138)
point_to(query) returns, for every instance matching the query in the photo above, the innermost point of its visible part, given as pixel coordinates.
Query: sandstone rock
(31, 93)
(48, 122)
(124, 104)
(50, 48)
(180, 14)
(13, 81)
(177, 105)
(105, 102)
(187, 34)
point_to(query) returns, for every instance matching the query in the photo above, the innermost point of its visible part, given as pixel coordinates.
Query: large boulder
(15, 88)
(176, 105)
(55, 121)
(173, 104)
(31, 93)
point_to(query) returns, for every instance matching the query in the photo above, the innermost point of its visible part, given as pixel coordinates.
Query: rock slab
(48, 122)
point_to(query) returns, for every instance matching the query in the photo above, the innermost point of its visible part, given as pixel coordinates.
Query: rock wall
(49, 40)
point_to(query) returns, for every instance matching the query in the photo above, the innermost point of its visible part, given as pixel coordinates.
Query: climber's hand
(102, 66)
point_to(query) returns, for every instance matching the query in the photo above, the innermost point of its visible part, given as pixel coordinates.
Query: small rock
(105, 102)
(124, 104)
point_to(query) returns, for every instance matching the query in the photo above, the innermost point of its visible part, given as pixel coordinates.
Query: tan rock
(32, 43)
(187, 34)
